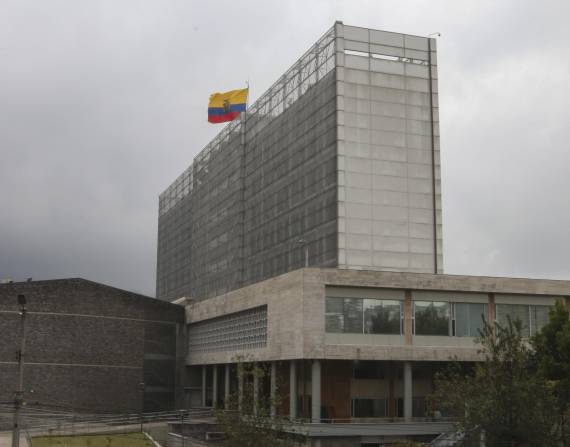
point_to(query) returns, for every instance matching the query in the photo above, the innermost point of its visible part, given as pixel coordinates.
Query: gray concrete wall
(283, 296)
(296, 304)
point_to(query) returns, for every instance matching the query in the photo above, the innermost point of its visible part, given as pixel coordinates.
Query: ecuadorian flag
(226, 106)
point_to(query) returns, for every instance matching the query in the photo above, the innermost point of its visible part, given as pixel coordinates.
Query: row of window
(376, 316)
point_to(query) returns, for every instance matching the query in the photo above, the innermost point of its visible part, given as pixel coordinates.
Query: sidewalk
(6, 439)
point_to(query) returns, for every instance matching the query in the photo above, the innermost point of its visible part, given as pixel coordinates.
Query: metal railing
(45, 421)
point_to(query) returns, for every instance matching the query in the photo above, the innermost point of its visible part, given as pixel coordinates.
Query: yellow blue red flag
(227, 106)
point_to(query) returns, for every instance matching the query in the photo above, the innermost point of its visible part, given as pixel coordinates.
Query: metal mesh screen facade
(339, 159)
(236, 215)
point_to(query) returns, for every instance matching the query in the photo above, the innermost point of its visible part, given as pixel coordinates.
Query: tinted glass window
(353, 315)
(382, 317)
(334, 315)
(368, 370)
(539, 317)
(369, 408)
(469, 319)
(431, 318)
(514, 312)
(363, 316)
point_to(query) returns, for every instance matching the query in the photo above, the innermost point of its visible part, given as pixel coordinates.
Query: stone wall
(89, 346)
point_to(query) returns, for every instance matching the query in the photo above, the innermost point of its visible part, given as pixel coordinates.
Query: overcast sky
(103, 104)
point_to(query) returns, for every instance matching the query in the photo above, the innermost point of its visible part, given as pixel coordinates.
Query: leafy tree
(502, 396)
(248, 422)
(552, 359)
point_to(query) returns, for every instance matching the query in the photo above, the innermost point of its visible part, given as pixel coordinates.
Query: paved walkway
(6, 439)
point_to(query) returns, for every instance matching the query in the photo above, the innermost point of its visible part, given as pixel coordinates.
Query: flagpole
(243, 148)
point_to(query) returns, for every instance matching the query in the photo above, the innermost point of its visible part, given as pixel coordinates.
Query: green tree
(552, 358)
(502, 397)
(248, 422)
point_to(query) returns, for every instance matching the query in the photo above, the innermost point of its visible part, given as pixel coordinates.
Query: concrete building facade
(336, 165)
(354, 347)
(307, 239)
(89, 347)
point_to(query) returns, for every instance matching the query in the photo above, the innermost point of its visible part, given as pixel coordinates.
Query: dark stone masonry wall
(89, 346)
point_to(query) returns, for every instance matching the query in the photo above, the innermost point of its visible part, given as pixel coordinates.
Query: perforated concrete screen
(233, 332)
(338, 159)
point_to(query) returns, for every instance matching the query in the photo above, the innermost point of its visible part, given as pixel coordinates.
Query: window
(363, 316)
(449, 319)
(382, 317)
(419, 407)
(334, 315)
(431, 318)
(514, 312)
(368, 370)
(539, 317)
(369, 408)
(533, 318)
(353, 315)
(468, 319)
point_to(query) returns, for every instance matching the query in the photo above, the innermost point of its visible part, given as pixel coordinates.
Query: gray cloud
(102, 105)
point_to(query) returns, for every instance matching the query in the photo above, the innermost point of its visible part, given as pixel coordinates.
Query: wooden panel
(335, 389)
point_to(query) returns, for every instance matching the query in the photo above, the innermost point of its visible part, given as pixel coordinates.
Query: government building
(307, 237)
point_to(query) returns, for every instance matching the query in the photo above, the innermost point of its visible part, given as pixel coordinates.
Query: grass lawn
(101, 440)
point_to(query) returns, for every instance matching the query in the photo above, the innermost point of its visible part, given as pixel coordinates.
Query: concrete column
(407, 390)
(255, 391)
(391, 391)
(316, 391)
(227, 387)
(215, 387)
(240, 387)
(273, 389)
(293, 389)
(491, 312)
(204, 371)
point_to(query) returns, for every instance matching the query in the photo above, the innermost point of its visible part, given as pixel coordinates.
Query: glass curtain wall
(449, 319)
(469, 319)
(432, 318)
(363, 316)
(532, 318)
